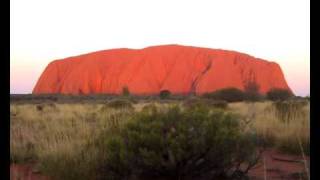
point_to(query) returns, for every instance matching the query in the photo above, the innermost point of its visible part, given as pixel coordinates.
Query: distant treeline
(94, 98)
(227, 94)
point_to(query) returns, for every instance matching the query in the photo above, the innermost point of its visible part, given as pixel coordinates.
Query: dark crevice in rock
(194, 83)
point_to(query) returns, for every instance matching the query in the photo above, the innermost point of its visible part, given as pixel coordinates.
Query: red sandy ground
(25, 172)
(279, 169)
(275, 169)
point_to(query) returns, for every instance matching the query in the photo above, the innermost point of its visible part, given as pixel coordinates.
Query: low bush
(278, 94)
(125, 91)
(251, 91)
(253, 97)
(227, 94)
(178, 144)
(164, 94)
(40, 107)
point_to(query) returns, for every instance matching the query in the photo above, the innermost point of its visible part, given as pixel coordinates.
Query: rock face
(179, 69)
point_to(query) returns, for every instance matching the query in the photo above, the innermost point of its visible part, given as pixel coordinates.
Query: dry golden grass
(56, 133)
(284, 135)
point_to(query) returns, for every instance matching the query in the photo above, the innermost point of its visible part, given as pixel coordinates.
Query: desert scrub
(71, 163)
(279, 94)
(293, 114)
(219, 104)
(60, 139)
(125, 91)
(289, 110)
(164, 94)
(195, 102)
(178, 144)
(70, 140)
(283, 124)
(120, 104)
(278, 127)
(227, 94)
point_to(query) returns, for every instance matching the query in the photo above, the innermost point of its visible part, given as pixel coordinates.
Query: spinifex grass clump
(285, 123)
(289, 110)
(120, 103)
(178, 144)
(292, 113)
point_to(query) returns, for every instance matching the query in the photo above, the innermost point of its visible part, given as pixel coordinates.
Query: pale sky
(45, 30)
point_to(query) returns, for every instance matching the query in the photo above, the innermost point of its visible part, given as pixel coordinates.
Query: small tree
(252, 91)
(125, 91)
(278, 94)
(164, 94)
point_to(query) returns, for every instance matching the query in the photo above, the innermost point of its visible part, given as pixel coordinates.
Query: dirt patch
(279, 166)
(25, 172)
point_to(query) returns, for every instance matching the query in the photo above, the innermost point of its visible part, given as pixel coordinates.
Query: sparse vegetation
(307, 98)
(62, 142)
(120, 103)
(164, 94)
(177, 144)
(278, 94)
(125, 91)
(287, 111)
(279, 124)
(227, 94)
(251, 91)
(194, 102)
(70, 141)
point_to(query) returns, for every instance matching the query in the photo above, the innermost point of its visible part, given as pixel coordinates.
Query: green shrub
(125, 91)
(227, 94)
(278, 94)
(177, 144)
(164, 94)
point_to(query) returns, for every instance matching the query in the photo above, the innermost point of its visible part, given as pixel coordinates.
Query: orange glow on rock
(179, 69)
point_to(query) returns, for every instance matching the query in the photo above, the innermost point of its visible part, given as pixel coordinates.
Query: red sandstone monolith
(179, 69)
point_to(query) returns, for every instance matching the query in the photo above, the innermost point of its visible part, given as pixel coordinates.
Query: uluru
(179, 69)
